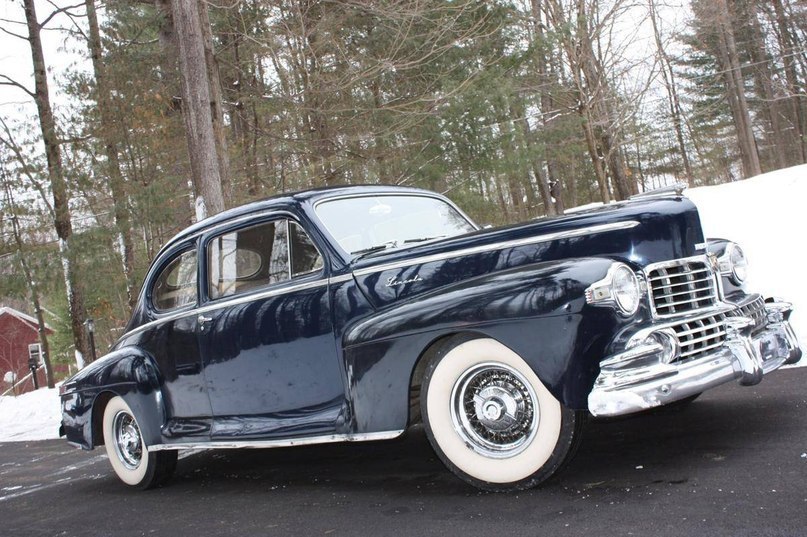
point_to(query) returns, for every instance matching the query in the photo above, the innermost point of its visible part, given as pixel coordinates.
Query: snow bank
(31, 416)
(767, 216)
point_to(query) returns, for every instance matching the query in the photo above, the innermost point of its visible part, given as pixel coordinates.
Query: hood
(637, 232)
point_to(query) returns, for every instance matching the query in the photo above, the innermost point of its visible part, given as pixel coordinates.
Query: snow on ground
(766, 215)
(31, 416)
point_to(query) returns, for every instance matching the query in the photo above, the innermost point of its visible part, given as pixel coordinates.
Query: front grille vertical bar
(681, 286)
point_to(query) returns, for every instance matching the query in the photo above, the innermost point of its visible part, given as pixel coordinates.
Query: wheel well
(420, 369)
(98, 407)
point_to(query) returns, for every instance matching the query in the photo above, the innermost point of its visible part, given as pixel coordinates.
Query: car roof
(285, 200)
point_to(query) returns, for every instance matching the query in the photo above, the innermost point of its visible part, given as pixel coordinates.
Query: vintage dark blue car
(352, 313)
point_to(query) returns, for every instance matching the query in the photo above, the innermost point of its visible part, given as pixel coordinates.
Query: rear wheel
(128, 454)
(491, 420)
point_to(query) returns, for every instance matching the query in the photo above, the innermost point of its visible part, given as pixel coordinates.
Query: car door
(266, 334)
(171, 338)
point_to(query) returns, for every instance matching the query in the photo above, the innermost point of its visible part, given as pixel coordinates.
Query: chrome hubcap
(494, 410)
(128, 443)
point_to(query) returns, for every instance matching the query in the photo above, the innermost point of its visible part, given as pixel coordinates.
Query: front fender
(538, 290)
(539, 311)
(130, 373)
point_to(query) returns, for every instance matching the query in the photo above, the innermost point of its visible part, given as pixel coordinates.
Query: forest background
(162, 111)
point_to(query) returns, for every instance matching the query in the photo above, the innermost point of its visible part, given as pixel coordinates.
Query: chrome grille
(755, 310)
(681, 286)
(699, 337)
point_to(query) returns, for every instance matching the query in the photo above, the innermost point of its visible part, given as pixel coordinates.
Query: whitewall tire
(128, 454)
(491, 420)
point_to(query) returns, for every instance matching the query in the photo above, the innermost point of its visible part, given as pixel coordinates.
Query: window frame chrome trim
(157, 271)
(589, 230)
(208, 235)
(216, 305)
(341, 278)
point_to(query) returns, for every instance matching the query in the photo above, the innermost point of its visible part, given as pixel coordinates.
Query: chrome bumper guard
(638, 378)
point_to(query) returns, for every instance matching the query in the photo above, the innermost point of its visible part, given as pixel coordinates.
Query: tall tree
(58, 184)
(203, 145)
(668, 76)
(113, 167)
(788, 50)
(717, 16)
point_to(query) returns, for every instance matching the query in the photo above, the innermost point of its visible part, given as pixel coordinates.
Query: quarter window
(257, 256)
(175, 287)
(305, 257)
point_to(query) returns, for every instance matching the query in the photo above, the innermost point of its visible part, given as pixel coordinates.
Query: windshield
(365, 223)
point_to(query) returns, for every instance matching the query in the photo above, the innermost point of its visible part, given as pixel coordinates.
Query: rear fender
(130, 373)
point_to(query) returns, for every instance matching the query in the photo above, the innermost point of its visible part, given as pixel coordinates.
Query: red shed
(18, 332)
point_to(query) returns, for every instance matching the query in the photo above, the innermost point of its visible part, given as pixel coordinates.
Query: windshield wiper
(364, 252)
(423, 239)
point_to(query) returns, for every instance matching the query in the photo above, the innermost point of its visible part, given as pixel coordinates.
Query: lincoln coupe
(353, 313)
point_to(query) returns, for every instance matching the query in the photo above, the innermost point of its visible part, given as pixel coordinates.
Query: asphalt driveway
(734, 463)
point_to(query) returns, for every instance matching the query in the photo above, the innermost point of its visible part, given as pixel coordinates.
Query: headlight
(733, 264)
(620, 287)
(625, 289)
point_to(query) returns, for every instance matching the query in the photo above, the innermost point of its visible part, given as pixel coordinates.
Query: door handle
(202, 319)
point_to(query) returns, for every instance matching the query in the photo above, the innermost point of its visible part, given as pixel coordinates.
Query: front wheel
(491, 420)
(128, 454)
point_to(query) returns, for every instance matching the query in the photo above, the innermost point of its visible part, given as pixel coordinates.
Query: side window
(257, 256)
(305, 257)
(248, 258)
(175, 286)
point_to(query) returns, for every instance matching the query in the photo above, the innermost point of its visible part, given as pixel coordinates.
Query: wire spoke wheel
(490, 419)
(494, 410)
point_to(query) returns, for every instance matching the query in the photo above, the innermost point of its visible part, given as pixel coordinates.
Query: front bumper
(638, 379)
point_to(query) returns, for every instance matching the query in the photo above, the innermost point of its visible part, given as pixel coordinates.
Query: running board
(265, 444)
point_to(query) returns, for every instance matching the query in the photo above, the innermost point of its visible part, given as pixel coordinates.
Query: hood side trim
(547, 237)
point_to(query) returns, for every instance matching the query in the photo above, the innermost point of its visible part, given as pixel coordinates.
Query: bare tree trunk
(735, 89)
(527, 140)
(314, 92)
(787, 44)
(599, 92)
(555, 10)
(216, 102)
(672, 92)
(763, 77)
(61, 208)
(550, 190)
(196, 109)
(544, 187)
(593, 151)
(116, 181)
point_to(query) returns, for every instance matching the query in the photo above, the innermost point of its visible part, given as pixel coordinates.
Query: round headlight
(625, 289)
(733, 264)
(739, 265)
